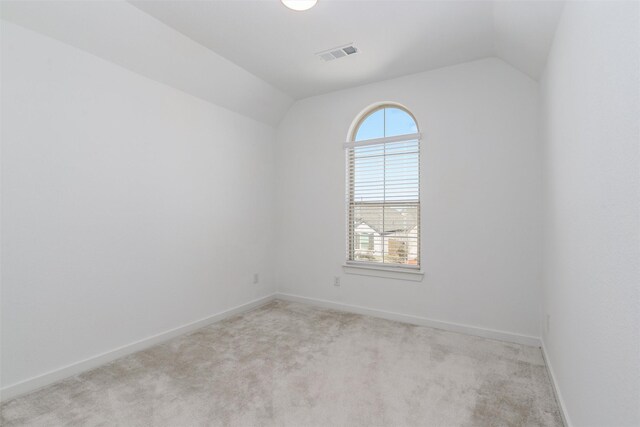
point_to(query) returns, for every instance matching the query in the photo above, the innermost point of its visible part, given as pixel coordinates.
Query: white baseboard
(51, 377)
(416, 320)
(554, 385)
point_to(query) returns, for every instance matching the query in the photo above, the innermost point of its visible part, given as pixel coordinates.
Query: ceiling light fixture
(299, 5)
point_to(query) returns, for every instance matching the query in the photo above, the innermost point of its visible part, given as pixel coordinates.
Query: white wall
(591, 110)
(129, 37)
(481, 193)
(129, 208)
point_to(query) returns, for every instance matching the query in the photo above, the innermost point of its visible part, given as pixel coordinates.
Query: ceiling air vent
(338, 52)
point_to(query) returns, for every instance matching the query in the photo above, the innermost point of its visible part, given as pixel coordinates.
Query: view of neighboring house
(388, 235)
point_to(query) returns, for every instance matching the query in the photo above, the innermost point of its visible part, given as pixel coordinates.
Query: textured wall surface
(591, 93)
(128, 207)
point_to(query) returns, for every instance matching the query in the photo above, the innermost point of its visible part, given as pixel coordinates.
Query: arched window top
(385, 121)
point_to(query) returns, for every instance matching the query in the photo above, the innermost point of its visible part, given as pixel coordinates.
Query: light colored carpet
(288, 364)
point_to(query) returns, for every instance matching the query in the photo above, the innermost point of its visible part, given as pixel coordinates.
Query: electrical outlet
(336, 281)
(548, 324)
(256, 278)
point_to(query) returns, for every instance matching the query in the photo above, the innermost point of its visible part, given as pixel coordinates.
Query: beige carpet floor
(288, 364)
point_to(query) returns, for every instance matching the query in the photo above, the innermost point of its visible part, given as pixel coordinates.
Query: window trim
(362, 268)
(384, 140)
(368, 268)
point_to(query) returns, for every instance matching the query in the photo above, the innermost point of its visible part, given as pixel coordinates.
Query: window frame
(370, 268)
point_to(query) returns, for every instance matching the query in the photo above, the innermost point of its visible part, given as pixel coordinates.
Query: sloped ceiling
(122, 34)
(523, 33)
(256, 56)
(395, 37)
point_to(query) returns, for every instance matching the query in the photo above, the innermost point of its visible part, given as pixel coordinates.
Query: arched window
(383, 188)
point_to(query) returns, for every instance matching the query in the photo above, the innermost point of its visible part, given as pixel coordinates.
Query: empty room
(320, 213)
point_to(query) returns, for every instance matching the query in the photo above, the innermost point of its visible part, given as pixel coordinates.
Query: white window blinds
(383, 186)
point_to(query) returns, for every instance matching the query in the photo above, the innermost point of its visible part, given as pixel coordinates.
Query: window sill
(413, 275)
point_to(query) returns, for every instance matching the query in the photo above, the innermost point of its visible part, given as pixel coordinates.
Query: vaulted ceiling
(394, 37)
(256, 57)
